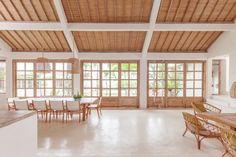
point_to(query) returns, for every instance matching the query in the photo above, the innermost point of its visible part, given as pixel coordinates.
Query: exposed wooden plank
(210, 41)
(4, 11)
(217, 10)
(182, 41)
(30, 10)
(49, 41)
(232, 14)
(196, 41)
(26, 40)
(10, 40)
(19, 40)
(21, 10)
(199, 10)
(208, 10)
(203, 41)
(163, 36)
(39, 10)
(163, 11)
(63, 41)
(189, 41)
(12, 10)
(49, 10)
(226, 11)
(181, 10)
(55, 40)
(41, 40)
(172, 10)
(175, 41)
(190, 10)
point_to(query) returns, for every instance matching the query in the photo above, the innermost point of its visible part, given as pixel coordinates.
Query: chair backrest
(228, 137)
(56, 105)
(191, 121)
(40, 104)
(72, 105)
(198, 107)
(21, 104)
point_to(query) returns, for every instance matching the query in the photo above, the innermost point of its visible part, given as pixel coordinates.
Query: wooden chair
(228, 137)
(97, 106)
(40, 106)
(21, 105)
(201, 129)
(11, 105)
(55, 109)
(73, 107)
(204, 107)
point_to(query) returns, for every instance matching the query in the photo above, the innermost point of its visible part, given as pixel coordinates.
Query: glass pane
(114, 75)
(29, 66)
(179, 67)
(95, 84)
(87, 92)
(189, 92)
(152, 84)
(190, 75)
(170, 84)
(48, 66)
(59, 83)
(133, 66)
(133, 84)
(171, 67)
(48, 92)
(160, 92)
(198, 75)
(67, 66)
(105, 66)
(114, 92)
(124, 75)
(161, 84)
(59, 92)
(95, 66)
(179, 75)
(95, 75)
(40, 75)
(152, 67)
(124, 83)
(29, 84)
(189, 66)
(87, 75)
(114, 66)
(20, 66)
(124, 92)
(114, 83)
(151, 92)
(59, 75)
(161, 67)
(124, 66)
(20, 75)
(105, 83)
(39, 66)
(87, 66)
(40, 83)
(133, 75)
(48, 83)
(29, 92)
(59, 66)
(179, 92)
(20, 83)
(29, 75)
(67, 92)
(198, 92)
(179, 84)
(189, 84)
(48, 75)
(198, 84)
(67, 75)
(133, 92)
(95, 92)
(106, 75)
(20, 93)
(152, 75)
(171, 92)
(171, 75)
(87, 84)
(40, 92)
(161, 75)
(198, 67)
(105, 92)
(67, 83)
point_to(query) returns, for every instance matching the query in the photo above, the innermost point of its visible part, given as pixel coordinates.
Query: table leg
(84, 112)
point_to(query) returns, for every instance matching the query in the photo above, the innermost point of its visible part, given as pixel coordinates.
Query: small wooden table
(228, 119)
(84, 102)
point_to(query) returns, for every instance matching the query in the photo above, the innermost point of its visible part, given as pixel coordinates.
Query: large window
(35, 79)
(110, 79)
(170, 79)
(2, 76)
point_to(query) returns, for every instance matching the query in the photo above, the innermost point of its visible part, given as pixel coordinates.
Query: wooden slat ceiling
(109, 41)
(47, 41)
(205, 11)
(182, 41)
(28, 10)
(107, 10)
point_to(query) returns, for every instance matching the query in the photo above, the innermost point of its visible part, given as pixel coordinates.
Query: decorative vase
(233, 90)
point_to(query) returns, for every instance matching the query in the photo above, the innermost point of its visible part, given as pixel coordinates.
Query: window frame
(5, 77)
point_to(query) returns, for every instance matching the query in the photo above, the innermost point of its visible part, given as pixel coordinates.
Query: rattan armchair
(228, 137)
(200, 128)
(204, 107)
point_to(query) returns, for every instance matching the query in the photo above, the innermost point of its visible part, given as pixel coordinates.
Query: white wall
(5, 53)
(223, 48)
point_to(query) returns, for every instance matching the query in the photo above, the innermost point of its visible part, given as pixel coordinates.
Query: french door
(175, 83)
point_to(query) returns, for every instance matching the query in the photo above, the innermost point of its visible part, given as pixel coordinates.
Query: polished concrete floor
(124, 133)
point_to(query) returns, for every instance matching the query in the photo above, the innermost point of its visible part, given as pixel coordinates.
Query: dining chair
(97, 106)
(228, 137)
(204, 107)
(11, 105)
(200, 128)
(55, 109)
(73, 107)
(40, 106)
(21, 105)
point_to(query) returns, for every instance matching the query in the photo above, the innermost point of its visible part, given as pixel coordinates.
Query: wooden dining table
(228, 119)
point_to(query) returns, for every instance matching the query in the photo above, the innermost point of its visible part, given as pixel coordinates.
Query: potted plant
(77, 96)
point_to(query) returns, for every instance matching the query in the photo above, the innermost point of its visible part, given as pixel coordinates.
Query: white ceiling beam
(57, 26)
(63, 21)
(152, 23)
